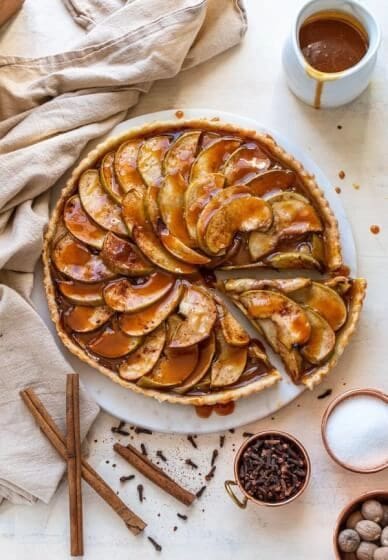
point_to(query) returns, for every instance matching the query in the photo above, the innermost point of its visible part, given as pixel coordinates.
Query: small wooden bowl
(352, 393)
(380, 495)
(236, 482)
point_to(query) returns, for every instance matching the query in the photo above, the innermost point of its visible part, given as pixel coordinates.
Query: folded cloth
(50, 108)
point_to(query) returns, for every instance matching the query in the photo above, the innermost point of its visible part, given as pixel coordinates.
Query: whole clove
(182, 516)
(272, 469)
(161, 455)
(119, 429)
(222, 441)
(142, 431)
(156, 545)
(192, 441)
(214, 457)
(210, 474)
(126, 478)
(247, 434)
(325, 394)
(143, 449)
(191, 463)
(200, 491)
(140, 491)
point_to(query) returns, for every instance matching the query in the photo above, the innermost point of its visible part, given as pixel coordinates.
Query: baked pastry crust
(56, 228)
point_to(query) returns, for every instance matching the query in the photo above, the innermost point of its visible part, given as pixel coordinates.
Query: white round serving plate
(165, 417)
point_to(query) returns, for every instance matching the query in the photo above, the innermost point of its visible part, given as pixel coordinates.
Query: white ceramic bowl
(337, 88)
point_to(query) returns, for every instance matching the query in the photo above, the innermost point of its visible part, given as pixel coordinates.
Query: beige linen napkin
(50, 108)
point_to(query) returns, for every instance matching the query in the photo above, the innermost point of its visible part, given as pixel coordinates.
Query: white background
(248, 81)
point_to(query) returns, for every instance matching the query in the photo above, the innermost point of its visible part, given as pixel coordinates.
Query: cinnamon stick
(154, 473)
(134, 523)
(74, 458)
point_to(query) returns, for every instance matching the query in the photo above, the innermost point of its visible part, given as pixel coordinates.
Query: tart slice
(308, 323)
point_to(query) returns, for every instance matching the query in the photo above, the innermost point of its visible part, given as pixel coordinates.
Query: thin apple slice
(80, 225)
(285, 285)
(230, 362)
(85, 319)
(272, 181)
(75, 260)
(98, 204)
(142, 360)
(171, 204)
(146, 320)
(244, 162)
(197, 195)
(113, 343)
(199, 310)
(180, 250)
(213, 157)
(294, 215)
(322, 339)
(325, 301)
(292, 324)
(124, 257)
(340, 284)
(181, 154)
(293, 260)
(81, 294)
(232, 331)
(125, 165)
(123, 296)
(243, 214)
(150, 159)
(132, 208)
(108, 177)
(207, 350)
(172, 369)
(261, 243)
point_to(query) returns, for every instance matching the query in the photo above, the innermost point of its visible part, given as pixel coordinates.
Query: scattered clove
(161, 455)
(126, 478)
(156, 545)
(192, 441)
(140, 491)
(191, 463)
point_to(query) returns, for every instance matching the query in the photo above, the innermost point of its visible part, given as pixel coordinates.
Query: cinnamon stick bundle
(74, 460)
(154, 473)
(46, 423)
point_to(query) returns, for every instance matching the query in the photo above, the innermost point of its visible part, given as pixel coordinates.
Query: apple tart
(146, 218)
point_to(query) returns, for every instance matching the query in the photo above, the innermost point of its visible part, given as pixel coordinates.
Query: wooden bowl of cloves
(271, 468)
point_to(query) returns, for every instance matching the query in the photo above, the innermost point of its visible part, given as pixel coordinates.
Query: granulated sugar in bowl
(355, 430)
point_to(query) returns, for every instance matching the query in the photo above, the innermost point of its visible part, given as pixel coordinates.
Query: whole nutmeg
(381, 553)
(372, 510)
(368, 530)
(384, 537)
(366, 551)
(384, 521)
(353, 519)
(348, 540)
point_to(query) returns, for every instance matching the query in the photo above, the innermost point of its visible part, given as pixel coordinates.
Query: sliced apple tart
(307, 322)
(143, 221)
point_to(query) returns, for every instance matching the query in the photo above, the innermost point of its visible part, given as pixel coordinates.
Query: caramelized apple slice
(81, 294)
(292, 325)
(124, 257)
(142, 360)
(125, 165)
(294, 215)
(172, 369)
(207, 350)
(213, 156)
(180, 250)
(98, 204)
(145, 237)
(84, 319)
(244, 162)
(261, 243)
(181, 154)
(322, 339)
(232, 331)
(292, 260)
(197, 195)
(285, 285)
(230, 362)
(171, 204)
(199, 310)
(150, 159)
(113, 343)
(272, 181)
(240, 214)
(325, 301)
(146, 320)
(121, 295)
(77, 262)
(80, 225)
(108, 177)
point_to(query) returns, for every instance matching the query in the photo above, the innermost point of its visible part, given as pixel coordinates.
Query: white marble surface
(248, 81)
